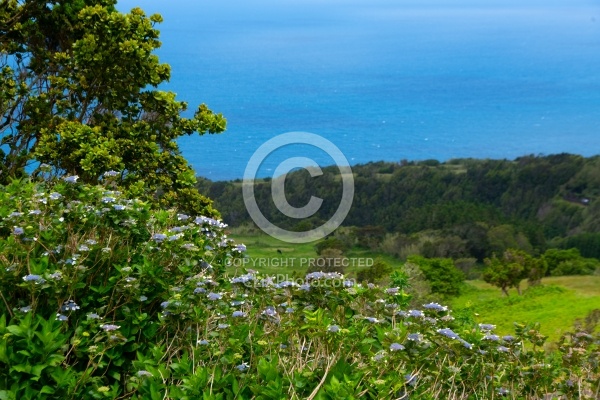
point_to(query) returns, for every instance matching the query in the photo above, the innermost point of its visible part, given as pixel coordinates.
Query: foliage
(441, 274)
(568, 262)
(377, 272)
(78, 82)
(332, 242)
(103, 297)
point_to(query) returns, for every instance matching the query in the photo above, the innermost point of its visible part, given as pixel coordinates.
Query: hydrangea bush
(104, 297)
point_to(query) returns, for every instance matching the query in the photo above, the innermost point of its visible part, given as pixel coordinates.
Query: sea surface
(384, 80)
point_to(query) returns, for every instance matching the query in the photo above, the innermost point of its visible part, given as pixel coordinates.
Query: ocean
(384, 80)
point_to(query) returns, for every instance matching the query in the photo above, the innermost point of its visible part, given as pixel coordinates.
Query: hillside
(462, 208)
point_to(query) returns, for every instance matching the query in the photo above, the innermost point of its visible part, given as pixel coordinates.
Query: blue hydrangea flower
(372, 320)
(15, 214)
(435, 306)
(466, 344)
(416, 313)
(242, 278)
(214, 296)
(159, 237)
(108, 200)
(35, 212)
(242, 367)
(508, 338)
(18, 231)
(333, 328)
(55, 196)
(315, 275)
(119, 207)
(396, 347)
(415, 337)
(199, 290)
(93, 316)
(71, 178)
(503, 349)
(109, 327)
(393, 290)
(240, 247)
(448, 333)
(487, 327)
(285, 284)
(25, 309)
(238, 314)
(182, 217)
(270, 312)
(34, 278)
(493, 338)
(69, 305)
(223, 326)
(203, 342)
(410, 379)
(209, 221)
(144, 373)
(62, 318)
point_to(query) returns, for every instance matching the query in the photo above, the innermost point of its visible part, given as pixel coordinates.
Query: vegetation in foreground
(104, 298)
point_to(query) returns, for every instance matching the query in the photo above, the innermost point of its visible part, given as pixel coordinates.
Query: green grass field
(272, 256)
(556, 305)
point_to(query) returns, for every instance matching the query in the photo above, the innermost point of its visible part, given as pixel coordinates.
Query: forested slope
(474, 207)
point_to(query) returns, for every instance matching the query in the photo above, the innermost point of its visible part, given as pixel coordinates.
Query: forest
(463, 208)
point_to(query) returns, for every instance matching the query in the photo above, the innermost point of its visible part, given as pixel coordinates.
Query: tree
(78, 91)
(443, 277)
(503, 274)
(510, 269)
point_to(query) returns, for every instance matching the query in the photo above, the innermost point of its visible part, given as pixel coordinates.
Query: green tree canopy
(512, 267)
(441, 273)
(78, 91)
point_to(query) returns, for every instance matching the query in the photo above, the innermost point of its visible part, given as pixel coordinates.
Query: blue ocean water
(385, 80)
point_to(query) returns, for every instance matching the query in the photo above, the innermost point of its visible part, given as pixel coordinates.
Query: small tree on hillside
(441, 273)
(503, 275)
(509, 270)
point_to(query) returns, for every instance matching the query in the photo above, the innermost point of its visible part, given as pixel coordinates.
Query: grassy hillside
(556, 305)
